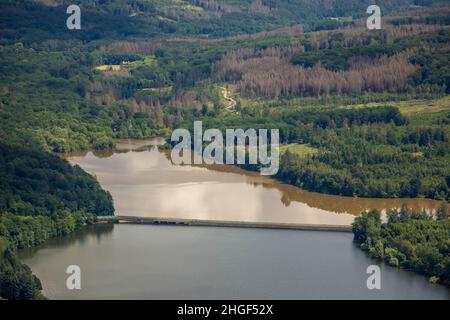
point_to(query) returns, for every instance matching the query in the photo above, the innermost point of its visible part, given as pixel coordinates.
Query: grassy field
(412, 106)
(108, 68)
(148, 61)
(416, 106)
(302, 150)
(407, 107)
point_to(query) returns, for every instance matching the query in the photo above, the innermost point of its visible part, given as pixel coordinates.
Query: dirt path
(232, 103)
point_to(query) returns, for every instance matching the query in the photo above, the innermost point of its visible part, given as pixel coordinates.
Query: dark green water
(164, 262)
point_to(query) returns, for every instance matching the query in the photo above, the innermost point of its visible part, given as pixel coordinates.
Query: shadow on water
(156, 262)
(100, 232)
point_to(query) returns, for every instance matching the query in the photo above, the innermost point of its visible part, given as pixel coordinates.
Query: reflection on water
(50, 260)
(144, 182)
(167, 262)
(98, 233)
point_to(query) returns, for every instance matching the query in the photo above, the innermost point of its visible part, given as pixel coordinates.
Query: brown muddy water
(144, 183)
(176, 262)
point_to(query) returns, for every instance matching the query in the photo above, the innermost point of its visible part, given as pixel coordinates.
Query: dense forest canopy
(42, 197)
(38, 183)
(409, 239)
(205, 18)
(77, 92)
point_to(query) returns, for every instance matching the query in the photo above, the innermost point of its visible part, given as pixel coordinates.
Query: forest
(411, 240)
(373, 104)
(42, 197)
(363, 152)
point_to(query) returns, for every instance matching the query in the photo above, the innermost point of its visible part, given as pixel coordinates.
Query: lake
(144, 183)
(171, 262)
(177, 262)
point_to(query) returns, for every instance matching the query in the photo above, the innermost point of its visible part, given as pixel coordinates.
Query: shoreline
(138, 145)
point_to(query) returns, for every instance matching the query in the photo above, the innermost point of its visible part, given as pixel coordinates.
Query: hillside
(205, 18)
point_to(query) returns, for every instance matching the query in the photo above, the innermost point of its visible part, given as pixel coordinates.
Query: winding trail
(232, 103)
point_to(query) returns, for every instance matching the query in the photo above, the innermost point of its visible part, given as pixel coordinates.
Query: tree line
(363, 152)
(43, 197)
(412, 240)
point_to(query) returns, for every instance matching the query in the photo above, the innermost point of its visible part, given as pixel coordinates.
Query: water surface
(168, 262)
(144, 182)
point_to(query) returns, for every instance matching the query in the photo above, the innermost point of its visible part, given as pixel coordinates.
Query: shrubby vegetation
(410, 240)
(16, 279)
